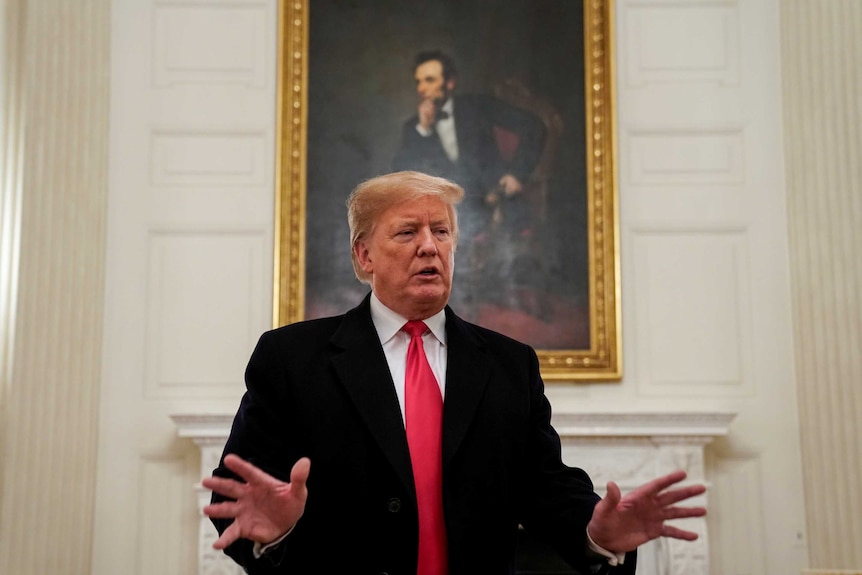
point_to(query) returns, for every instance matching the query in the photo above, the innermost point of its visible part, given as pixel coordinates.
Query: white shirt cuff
(424, 132)
(614, 559)
(259, 548)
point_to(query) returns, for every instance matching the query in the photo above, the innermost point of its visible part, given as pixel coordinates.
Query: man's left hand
(622, 523)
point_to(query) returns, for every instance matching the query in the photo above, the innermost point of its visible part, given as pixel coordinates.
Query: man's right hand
(263, 508)
(427, 113)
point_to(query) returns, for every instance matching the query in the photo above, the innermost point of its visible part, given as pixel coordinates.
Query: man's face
(430, 84)
(410, 256)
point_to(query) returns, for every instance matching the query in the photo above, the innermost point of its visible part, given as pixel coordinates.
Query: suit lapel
(467, 376)
(362, 369)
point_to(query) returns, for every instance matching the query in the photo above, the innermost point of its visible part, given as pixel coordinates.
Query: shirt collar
(449, 106)
(388, 322)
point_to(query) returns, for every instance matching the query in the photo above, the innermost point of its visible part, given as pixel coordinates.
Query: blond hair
(372, 197)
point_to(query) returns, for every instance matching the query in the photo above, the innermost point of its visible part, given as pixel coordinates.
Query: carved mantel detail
(629, 448)
(209, 431)
(633, 448)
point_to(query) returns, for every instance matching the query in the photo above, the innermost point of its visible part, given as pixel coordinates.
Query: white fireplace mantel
(704, 425)
(629, 448)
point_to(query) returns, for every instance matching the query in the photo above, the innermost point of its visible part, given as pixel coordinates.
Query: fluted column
(822, 60)
(60, 52)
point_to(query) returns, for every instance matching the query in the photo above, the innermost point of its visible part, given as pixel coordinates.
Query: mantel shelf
(567, 424)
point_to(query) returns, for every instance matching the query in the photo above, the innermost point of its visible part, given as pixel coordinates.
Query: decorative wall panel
(203, 316)
(710, 157)
(692, 325)
(208, 158)
(211, 43)
(682, 42)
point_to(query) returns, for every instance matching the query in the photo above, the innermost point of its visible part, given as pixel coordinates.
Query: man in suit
(320, 471)
(454, 136)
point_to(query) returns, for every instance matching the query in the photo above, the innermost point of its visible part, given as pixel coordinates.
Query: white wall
(189, 262)
(706, 314)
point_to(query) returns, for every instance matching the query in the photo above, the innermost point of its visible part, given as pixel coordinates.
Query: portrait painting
(511, 100)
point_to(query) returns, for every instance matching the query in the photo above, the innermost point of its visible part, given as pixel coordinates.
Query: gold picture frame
(601, 359)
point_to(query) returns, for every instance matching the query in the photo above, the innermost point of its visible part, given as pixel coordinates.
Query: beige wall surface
(55, 158)
(822, 57)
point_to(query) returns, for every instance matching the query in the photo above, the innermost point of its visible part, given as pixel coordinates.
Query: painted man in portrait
(490, 148)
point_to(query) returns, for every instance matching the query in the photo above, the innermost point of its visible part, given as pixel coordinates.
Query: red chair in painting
(508, 257)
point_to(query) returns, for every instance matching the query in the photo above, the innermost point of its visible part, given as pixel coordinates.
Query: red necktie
(423, 407)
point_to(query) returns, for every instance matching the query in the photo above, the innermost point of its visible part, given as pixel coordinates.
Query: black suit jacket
(322, 389)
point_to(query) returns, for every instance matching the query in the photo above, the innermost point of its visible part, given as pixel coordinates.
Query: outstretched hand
(263, 508)
(622, 523)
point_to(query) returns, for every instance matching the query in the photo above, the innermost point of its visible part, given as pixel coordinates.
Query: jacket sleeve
(560, 499)
(261, 428)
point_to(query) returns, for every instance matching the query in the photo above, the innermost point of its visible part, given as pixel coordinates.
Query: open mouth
(428, 272)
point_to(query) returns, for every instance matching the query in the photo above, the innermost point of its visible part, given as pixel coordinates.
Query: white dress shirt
(445, 128)
(395, 343)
